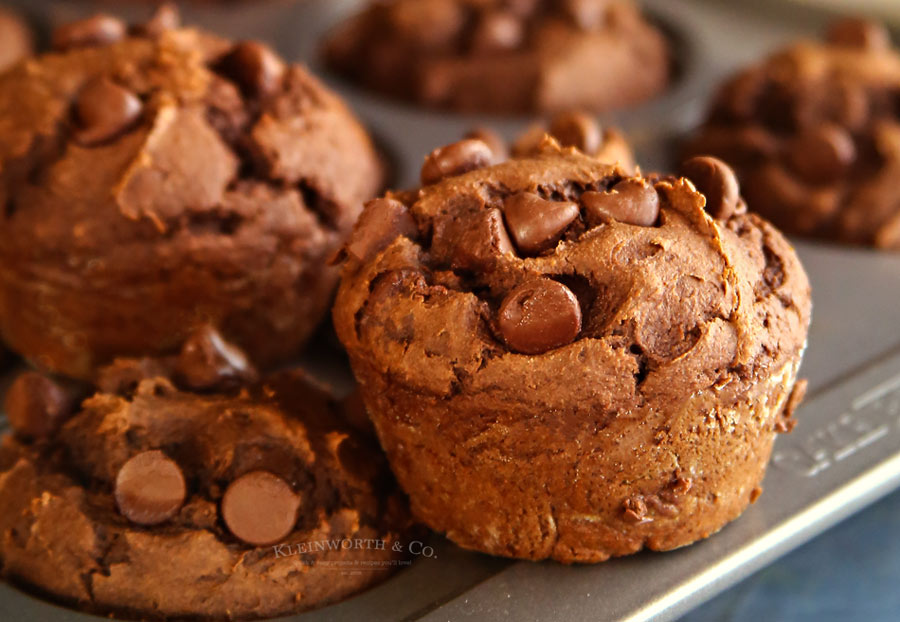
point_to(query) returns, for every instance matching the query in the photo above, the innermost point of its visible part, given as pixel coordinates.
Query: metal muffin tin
(844, 454)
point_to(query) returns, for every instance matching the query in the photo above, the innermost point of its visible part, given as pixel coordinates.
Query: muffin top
(508, 277)
(504, 55)
(158, 145)
(814, 133)
(16, 40)
(192, 459)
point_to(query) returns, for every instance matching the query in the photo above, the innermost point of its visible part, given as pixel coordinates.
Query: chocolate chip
(536, 224)
(165, 18)
(821, 154)
(150, 488)
(497, 31)
(586, 14)
(207, 361)
(493, 140)
(104, 110)
(97, 30)
(255, 67)
(480, 241)
(456, 159)
(858, 33)
(632, 201)
(36, 406)
(383, 221)
(714, 179)
(538, 316)
(260, 508)
(577, 129)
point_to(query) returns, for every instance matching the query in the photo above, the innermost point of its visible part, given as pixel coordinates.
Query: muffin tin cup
(845, 452)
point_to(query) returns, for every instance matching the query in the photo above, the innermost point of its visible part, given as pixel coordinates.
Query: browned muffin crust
(814, 134)
(159, 502)
(164, 179)
(504, 56)
(16, 39)
(575, 399)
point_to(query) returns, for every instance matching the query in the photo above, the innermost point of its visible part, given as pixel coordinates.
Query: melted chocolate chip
(150, 488)
(714, 179)
(36, 406)
(260, 508)
(822, 153)
(456, 159)
(497, 31)
(105, 110)
(536, 224)
(577, 129)
(207, 361)
(480, 241)
(538, 316)
(859, 33)
(255, 67)
(632, 201)
(383, 221)
(93, 31)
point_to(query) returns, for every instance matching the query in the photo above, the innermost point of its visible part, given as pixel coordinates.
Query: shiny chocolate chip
(150, 488)
(538, 316)
(36, 406)
(536, 224)
(577, 129)
(383, 221)
(717, 182)
(93, 31)
(455, 159)
(493, 140)
(260, 508)
(821, 154)
(255, 67)
(497, 31)
(859, 33)
(105, 110)
(632, 201)
(207, 361)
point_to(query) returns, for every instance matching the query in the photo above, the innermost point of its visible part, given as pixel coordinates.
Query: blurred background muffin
(16, 39)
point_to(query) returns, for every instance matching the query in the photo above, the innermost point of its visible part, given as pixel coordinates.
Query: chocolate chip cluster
(814, 134)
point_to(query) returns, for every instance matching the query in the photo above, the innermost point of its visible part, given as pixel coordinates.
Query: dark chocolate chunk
(480, 240)
(822, 154)
(381, 222)
(714, 179)
(577, 129)
(255, 67)
(97, 30)
(150, 488)
(536, 224)
(632, 201)
(207, 361)
(455, 159)
(105, 110)
(36, 406)
(538, 316)
(260, 508)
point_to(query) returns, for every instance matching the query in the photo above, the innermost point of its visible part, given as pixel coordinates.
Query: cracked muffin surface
(564, 360)
(157, 178)
(504, 56)
(813, 132)
(158, 501)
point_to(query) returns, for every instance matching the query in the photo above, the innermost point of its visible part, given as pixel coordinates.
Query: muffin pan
(844, 454)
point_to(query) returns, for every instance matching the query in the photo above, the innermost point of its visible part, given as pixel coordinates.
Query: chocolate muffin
(243, 500)
(814, 134)
(157, 178)
(504, 56)
(16, 40)
(567, 361)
